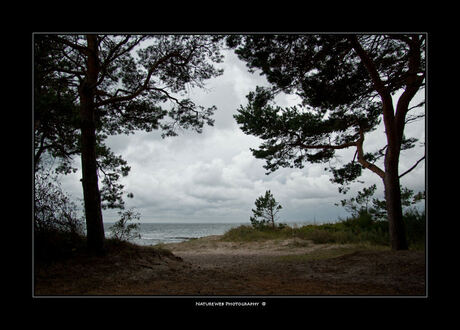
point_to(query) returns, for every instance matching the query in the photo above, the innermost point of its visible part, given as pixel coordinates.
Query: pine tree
(346, 84)
(115, 84)
(266, 211)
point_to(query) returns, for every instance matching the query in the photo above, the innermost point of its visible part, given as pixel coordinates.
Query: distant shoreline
(225, 223)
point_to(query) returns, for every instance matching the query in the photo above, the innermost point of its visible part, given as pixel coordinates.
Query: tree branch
(325, 146)
(413, 82)
(413, 118)
(359, 150)
(370, 67)
(167, 94)
(68, 71)
(401, 37)
(374, 168)
(142, 88)
(81, 49)
(115, 53)
(354, 157)
(414, 166)
(40, 150)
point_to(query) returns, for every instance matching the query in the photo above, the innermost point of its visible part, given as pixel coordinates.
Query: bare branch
(359, 151)
(167, 94)
(354, 157)
(413, 118)
(417, 106)
(414, 166)
(374, 168)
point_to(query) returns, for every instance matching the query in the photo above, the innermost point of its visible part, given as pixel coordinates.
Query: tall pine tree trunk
(395, 219)
(91, 194)
(393, 199)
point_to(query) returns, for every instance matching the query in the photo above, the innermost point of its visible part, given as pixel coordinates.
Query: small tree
(362, 202)
(123, 231)
(408, 200)
(266, 211)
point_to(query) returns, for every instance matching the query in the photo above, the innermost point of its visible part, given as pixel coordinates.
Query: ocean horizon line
(217, 222)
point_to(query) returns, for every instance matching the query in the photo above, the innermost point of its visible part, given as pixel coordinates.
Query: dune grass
(359, 230)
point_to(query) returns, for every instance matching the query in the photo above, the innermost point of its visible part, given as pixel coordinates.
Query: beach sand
(212, 267)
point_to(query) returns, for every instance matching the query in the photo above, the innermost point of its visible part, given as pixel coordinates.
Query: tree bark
(272, 216)
(393, 199)
(91, 194)
(394, 127)
(394, 210)
(391, 180)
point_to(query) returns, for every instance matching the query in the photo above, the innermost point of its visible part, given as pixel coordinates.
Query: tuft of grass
(59, 246)
(245, 233)
(123, 248)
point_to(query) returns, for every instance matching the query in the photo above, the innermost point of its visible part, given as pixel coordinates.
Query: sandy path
(211, 267)
(296, 267)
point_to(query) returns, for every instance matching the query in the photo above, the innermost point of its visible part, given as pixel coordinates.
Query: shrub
(321, 236)
(361, 222)
(53, 209)
(415, 223)
(58, 231)
(123, 231)
(240, 233)
(245, 233)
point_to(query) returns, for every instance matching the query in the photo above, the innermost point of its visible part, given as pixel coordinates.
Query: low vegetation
(361, 229)
(59, 233)
(368, 223)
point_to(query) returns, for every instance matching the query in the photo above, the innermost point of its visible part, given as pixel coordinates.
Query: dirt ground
(211, 267)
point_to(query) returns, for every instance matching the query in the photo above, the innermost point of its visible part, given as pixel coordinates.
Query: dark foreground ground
(209, 266)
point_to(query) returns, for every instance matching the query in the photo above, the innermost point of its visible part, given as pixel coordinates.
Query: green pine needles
(266, 211)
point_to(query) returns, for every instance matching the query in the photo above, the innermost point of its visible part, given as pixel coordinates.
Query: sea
(155, 233)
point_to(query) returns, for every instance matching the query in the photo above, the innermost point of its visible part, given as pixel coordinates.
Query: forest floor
(209, 266)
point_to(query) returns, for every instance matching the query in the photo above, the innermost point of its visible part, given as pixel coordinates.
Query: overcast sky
(213, 177)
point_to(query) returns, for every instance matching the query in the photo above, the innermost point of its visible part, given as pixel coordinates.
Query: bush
(362, 222)
(53, 209)
(415, 223)
(58, 231)
(321, 236)
(123, 231)
(54, 245)
(245, 233)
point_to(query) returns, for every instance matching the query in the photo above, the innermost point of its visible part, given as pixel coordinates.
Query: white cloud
(214, 177)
